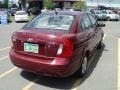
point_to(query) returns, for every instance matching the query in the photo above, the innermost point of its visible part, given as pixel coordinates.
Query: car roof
(13, 8)
(2, 9)
(97, 11)
(107, 10)
(74, 13)
(21, 11)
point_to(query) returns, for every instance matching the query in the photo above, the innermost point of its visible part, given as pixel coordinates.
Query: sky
(14, 1)
(114, 3)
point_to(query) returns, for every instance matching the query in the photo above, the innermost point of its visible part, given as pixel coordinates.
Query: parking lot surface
(103, 72)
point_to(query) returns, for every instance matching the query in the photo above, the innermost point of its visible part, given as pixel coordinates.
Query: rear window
(3, 12)
(104, 12)
(98, 12)
(21, 13)
(52, 21)
(111, 13)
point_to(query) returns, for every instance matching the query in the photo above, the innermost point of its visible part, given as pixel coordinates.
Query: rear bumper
(115, 18)
(102, 18)
(21, 19)
(59, 67)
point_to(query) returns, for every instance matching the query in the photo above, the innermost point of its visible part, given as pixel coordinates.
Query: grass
(11, 18)
(31, 16)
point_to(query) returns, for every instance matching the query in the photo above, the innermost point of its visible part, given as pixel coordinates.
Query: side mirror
(99, 24)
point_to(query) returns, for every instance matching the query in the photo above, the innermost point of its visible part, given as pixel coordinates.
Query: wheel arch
(86, 52)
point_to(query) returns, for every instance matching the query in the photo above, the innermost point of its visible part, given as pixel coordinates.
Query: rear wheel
(108, 19)
(83, 68)
(117, 19)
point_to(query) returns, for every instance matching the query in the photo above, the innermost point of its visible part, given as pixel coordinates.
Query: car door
(97, 30)
(88, 32)
(82, 38)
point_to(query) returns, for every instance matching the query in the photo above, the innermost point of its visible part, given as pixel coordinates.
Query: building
(59, 3)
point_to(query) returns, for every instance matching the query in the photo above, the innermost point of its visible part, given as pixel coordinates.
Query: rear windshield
(52, 21)
(3, 12)
(111, 13)
(21, 13)
(98, 13)
(104, 12)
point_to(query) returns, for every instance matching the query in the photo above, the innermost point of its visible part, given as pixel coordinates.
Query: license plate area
(29, 47)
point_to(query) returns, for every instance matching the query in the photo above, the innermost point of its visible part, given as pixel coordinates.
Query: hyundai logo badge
(30, 39)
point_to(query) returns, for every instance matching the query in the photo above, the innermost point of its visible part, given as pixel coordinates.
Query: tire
(100, 45)
(16, 21)
(108, 19)
(117, 20)
(83, 68)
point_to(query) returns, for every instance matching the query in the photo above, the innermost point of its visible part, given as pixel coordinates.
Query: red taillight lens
(65, 49)
(11, 44)
(13, 40)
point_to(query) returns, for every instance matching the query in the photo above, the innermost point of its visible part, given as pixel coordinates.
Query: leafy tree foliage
(48, 4)
(80, 5)
(5, 3)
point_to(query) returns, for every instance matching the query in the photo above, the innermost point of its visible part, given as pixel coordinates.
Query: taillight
(65, 49)
(60, 49)
(11, 44)
(13, 40)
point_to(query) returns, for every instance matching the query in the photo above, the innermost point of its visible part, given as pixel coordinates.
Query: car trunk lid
(38, 43)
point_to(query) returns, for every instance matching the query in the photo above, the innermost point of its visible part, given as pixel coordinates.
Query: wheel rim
(84, 65)
(108, 19)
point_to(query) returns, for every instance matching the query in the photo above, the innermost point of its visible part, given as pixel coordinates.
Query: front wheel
(83, 68)
(100, 45)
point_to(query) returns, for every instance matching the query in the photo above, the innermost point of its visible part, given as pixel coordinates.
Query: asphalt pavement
(103, 72)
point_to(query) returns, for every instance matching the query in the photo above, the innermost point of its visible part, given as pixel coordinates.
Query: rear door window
(93, 20)
(86, 23)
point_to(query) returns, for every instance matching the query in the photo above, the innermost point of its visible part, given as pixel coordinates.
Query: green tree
(6, 3)
(80, 5)
(0, 4)
(23, 3)
(48, 4)
(14, 6)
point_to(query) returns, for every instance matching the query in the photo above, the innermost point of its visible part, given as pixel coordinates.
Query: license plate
(28, 47)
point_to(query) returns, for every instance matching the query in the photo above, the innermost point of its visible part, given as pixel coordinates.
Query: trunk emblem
(30, 39)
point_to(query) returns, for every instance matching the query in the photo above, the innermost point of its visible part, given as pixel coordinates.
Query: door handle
(91, 35)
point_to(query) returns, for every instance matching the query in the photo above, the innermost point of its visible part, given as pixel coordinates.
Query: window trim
(86, 29)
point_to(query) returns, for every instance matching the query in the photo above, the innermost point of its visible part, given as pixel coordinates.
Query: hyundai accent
(56, 44)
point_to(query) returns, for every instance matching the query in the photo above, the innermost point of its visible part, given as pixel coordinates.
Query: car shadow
(68, 82)
(21, 21)
(93, 61)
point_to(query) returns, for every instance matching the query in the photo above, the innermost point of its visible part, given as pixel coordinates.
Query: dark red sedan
(56, 44)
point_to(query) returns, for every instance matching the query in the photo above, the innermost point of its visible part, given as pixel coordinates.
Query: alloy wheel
(84, 65)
